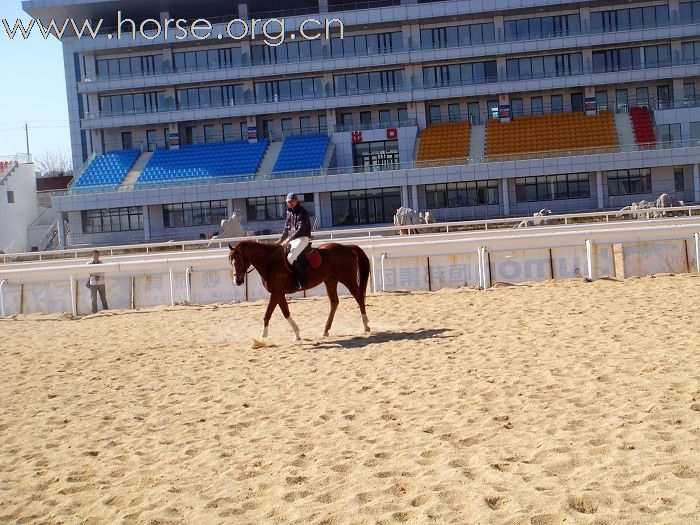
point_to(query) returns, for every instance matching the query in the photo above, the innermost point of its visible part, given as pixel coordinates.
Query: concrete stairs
(135, 171)
(477, 141)
(625, 133)
(268, 162)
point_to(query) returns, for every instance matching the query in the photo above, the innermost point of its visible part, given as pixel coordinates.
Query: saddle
(309, 258)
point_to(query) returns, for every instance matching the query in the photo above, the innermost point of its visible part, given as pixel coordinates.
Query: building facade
(401, 68)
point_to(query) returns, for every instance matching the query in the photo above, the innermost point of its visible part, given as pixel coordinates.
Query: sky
(32, 90)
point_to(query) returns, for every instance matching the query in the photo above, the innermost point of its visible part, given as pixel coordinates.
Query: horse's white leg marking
(294, 327)
(365, 321)
(264, 332)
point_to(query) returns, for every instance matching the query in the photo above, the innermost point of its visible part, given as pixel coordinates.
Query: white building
(18, 204)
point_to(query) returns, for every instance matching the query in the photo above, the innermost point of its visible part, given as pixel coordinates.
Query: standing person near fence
(96, 283)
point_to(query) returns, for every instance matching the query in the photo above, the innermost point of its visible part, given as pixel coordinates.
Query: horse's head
(239, 262)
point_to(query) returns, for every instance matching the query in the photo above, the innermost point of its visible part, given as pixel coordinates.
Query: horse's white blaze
(294, 327)
(264, 332)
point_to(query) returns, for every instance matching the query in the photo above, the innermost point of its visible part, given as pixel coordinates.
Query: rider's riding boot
(299, 277)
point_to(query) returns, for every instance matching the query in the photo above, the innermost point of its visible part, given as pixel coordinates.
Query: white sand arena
(556, 403)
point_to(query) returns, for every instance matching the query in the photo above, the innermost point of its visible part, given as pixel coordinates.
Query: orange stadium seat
(444, 142)
(551, 133)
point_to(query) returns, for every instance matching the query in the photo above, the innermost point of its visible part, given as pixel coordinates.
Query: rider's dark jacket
(297, 224)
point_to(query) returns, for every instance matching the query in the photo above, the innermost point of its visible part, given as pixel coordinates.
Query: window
(552, 187)
(516, 107)
(453, 112)
(557, 103)
(695, 130)
(376, 155)
(384, 116)
(670, 134)
(261, 209)
(629, 182)
(403, 115)
(434, 114)
(346, 120)
(689, 93)
(209, 133)
(227, 131)
(365, 118)
(536, 105)
(112, 220)
(461, 194)
(10, 197)
(194, 213)
(207, 97)
(371, 206)
(690, 11)
(601, 100)
(678, 179)
(136, 103)
(625, 59)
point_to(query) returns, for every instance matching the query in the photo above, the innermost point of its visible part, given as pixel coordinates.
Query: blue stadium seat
(304, 152)
(109, 169)
(203, 161)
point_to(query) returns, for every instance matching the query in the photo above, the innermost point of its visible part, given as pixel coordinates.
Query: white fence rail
(420, 262)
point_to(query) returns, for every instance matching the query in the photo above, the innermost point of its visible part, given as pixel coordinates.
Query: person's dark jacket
(297, 224)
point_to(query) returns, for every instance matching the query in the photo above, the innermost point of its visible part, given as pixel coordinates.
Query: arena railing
(350, 234)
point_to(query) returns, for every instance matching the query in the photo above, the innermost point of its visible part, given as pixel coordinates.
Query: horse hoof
(325, 334)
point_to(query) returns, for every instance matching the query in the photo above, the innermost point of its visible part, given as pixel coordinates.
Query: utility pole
(26, 132)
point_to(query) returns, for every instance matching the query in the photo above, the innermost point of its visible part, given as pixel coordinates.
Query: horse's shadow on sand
(380, 337)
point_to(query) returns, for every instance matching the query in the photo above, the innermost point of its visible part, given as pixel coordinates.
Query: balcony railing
(410, 165)
(246, 61)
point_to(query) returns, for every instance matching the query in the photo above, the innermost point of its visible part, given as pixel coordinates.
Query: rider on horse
(297, 233)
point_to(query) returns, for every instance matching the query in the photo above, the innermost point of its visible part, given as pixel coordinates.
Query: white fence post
(589, 259)
(172, 291)
(73, 297)
(697, 252)
(384, 256)
(2, 297)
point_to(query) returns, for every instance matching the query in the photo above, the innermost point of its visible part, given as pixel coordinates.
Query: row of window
(372, 206)
(628, 58)
(460, 194)
(284, 90)
(209, 97)
(361, 45)
(545, 66)
(460, 74)
(542, 27)
(207, 59)
(454, 36)
(261, 209)
(628, 19)
(130, 66)
(135, 103)
(194, 213)
(362, 83)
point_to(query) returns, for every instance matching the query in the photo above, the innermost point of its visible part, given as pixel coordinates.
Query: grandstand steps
(135, 171)
(477, 141)
(623, 125)
(268, 162)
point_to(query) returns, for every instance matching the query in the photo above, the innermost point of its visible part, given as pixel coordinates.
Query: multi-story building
(467, 109)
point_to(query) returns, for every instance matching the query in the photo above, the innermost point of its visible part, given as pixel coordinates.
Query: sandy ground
(556, 403)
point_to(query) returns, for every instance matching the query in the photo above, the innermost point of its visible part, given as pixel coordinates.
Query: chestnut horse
(345, 264)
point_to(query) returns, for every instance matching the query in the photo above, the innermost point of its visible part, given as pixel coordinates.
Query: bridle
(235, 274)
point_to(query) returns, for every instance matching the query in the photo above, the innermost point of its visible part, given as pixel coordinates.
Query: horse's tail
(363, 270)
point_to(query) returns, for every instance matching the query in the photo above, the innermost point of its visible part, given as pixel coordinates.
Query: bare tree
(54, 163)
